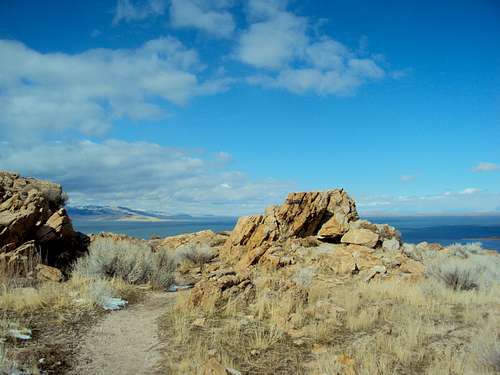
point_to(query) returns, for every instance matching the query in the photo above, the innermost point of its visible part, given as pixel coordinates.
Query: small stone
(232, 371)
(298, 342)
(47, 273)
(200, 322)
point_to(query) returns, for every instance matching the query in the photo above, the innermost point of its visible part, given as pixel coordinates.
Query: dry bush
(465, 250)
(456, 277)
(478, 269)
(130, 261)
(78, 293)
(196, 253)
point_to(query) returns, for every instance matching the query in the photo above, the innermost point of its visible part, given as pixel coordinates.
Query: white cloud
(208, 16)
(91, 90)
(444, 203)
(469, 191)
(486, 167)
(273, 42)
(142, 175)
(126, 10)
(407, 178)
(278, 40)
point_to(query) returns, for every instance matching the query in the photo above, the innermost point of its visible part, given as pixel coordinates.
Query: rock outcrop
(319, 232)
(205, 237)
(32, 216)
(328, 216)
(302, 215)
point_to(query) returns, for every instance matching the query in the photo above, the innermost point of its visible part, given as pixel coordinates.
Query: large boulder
(32, 215)
(220, 286)
(302, 215)
(364, 237)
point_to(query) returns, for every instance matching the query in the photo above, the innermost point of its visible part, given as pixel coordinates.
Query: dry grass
(55, 312)
(236, 338)
(384, 327)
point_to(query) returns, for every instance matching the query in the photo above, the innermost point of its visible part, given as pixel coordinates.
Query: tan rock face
(302, 215)
(219, 287)
(364, 237)
(20, 261)
(333, 229)
(32, 210)
(47, 273)
(57, 226)
(391, 245)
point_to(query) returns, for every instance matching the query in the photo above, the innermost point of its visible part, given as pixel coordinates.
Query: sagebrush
(131, 261)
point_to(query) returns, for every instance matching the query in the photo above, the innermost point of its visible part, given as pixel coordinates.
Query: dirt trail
(126, 341)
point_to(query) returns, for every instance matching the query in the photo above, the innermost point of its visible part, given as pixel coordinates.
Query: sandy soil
(126, 341)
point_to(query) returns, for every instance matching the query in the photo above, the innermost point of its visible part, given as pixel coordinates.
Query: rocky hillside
(34, 225)
(311, 230)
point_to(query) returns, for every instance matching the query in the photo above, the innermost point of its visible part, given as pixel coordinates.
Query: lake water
(443, 230)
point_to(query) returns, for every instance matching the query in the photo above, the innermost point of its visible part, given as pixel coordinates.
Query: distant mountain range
(109, 213)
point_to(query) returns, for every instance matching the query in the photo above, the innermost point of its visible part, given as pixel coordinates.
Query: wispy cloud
(143, 175)
(209, 16)
(486, 167)
(469, 191)
(447, 202)
(128, 11)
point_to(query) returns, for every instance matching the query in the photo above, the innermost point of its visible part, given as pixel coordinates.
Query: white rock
(21, 334)
(110, 303)
(390, 245)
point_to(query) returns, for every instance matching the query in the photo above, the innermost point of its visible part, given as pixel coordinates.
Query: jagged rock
(364, 237)
(391, 245)
(333, 229)
(217, 289)
(21, 261)
(56, 227)
(205, 237)
(252, 257)
(384, 231)
(32, 210)
(374, 271)
(425, 246)
(302, 215)
(47, 273)
(412, 267)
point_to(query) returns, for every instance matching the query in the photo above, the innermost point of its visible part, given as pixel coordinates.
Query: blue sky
(223, 106)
